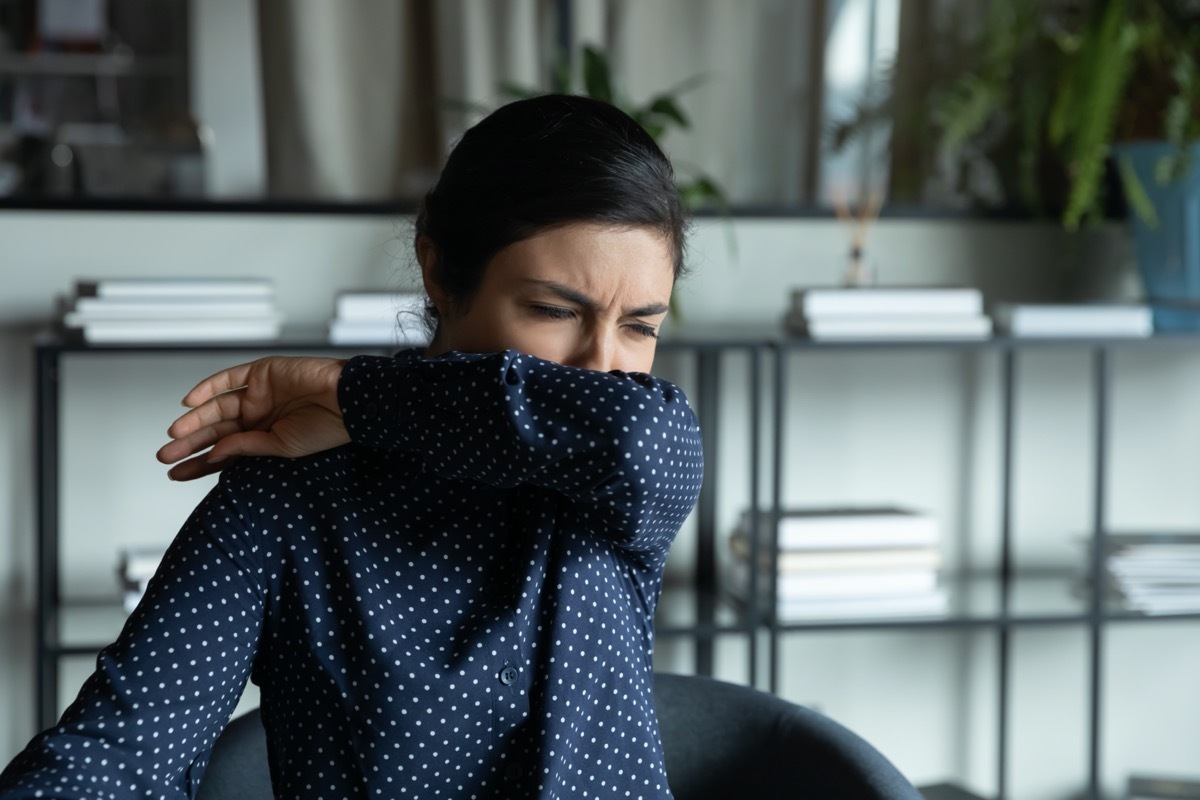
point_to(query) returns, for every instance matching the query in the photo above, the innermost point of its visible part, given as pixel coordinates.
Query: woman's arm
(605, 439)
(144, 722)
(626, 447)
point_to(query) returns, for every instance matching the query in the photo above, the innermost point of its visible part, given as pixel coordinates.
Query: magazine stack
(889, 312)
(842, 562)
(1154, 573)
(378, 318)
(120, 310)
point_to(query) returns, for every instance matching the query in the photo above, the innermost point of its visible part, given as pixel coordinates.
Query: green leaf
(1101, 77)
(1135, 192)
(655, 130)
(667, 107)
(967, 108)
(597, 78)
(703, 191)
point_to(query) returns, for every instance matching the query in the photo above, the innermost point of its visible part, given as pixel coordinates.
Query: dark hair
(536, 164)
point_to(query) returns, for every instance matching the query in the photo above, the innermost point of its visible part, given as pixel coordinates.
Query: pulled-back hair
(536, 164)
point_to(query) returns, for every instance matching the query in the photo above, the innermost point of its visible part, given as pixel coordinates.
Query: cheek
(542, 342)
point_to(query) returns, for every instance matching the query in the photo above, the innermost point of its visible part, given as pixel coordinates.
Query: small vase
(1168, 254)
(858, 271)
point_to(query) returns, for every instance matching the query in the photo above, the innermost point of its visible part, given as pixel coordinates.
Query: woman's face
(583, 295)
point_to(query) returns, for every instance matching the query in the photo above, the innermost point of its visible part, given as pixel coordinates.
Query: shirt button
(514, 772)
(371, 410)
(508, 675)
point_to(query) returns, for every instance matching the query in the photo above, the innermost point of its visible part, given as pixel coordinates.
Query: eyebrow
(573, 296)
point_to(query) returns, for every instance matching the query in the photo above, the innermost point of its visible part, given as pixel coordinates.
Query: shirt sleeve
(144, 723)
(625, 446)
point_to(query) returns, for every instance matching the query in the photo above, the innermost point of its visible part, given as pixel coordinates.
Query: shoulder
(264, 485)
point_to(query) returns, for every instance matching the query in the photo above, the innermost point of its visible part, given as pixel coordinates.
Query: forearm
(625, 446)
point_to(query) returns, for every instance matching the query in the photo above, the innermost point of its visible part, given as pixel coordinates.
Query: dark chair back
(725, 741)
(721, 741)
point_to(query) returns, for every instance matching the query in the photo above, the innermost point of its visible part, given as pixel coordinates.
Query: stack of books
(1050, 320)
(889, 312)
(136, 567)
(378, 318)
(842, 562)
(1155, 573)
(118, 310)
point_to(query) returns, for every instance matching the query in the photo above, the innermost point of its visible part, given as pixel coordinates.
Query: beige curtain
(362, 98)
(751, 121)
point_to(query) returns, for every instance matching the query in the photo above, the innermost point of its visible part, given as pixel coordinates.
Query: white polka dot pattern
(458, 604)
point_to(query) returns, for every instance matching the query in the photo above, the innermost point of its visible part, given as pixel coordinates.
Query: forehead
(592, 256)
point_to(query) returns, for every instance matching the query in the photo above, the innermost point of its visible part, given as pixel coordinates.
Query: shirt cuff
(368, 395)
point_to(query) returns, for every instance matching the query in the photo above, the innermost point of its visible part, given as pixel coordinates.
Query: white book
(385, 307)
(1082, 319)
(928, 604)
(175, 287)
(852, 528)
(386, 333)
(869, 583)
(889, 300)
(181, 330)
(901, 327)
(852, 560)
(87, 309)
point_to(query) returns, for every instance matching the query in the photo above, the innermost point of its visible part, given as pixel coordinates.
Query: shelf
(975, 602)
(681, 338)
(85, 65)
(980, 604)
(87, 626)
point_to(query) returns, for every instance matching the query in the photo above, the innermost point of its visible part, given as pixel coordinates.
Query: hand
(275, 406)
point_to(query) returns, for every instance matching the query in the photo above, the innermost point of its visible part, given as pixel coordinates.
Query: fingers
(226, 451)
(183, 446)
(196, 467)
(225, 407)
(226, 380)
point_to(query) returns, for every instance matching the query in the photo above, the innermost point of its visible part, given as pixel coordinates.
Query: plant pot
(1168, 254)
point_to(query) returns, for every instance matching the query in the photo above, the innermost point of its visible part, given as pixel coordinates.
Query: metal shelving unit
(1001, 602)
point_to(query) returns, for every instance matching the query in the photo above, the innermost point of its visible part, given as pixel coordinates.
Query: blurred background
(358, 103)
(290, 140)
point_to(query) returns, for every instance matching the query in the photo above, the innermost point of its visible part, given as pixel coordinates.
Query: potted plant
(1085, 89)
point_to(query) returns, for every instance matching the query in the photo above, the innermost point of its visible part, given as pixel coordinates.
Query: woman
(440, 568)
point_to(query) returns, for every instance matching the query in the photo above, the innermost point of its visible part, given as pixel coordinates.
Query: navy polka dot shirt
(458, 604)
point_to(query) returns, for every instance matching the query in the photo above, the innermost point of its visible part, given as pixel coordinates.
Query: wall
(916, 427)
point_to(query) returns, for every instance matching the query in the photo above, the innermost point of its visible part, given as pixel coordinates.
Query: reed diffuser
(858, 272)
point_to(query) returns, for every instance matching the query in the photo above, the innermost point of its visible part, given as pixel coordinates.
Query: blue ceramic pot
(1168, 254)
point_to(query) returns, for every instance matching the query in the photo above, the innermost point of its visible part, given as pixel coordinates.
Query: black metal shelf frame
(708, 349)
(1096, 616)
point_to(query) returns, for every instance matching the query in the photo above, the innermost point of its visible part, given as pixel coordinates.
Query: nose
(597, 351)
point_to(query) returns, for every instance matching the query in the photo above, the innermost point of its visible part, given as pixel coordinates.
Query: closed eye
(552, 312)
(642, 329)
